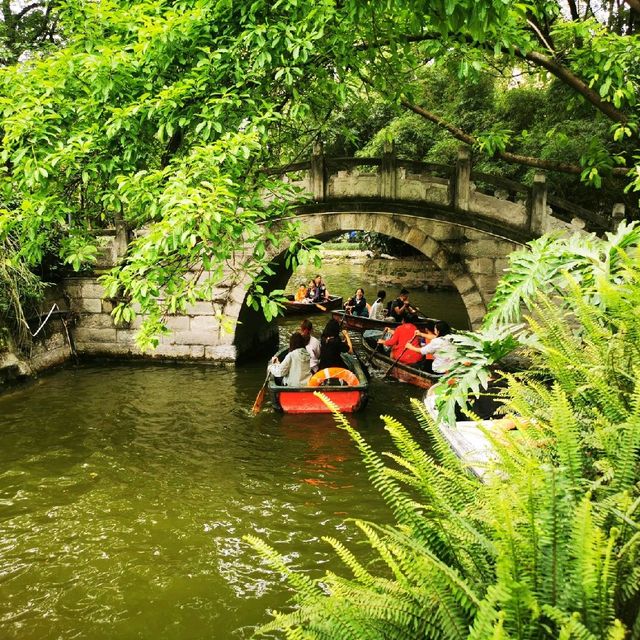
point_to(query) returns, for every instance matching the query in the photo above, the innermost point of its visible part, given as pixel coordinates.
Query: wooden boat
(400, 371)
(291, 307)
(358, 323)
(302, 399)
(468, 438)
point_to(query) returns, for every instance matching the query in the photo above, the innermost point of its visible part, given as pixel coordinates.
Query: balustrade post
(121, 239)
(538, 216)
(318, 174)
(462, 180)
(388, 177)
(618, 213)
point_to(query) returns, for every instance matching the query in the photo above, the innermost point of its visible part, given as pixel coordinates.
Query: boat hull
(467, 439)
(399, 371)
(348, 399)
(292, 308)
(304, 400)
(358, 323)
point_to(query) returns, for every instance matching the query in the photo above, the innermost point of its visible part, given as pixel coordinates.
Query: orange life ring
(334, 372)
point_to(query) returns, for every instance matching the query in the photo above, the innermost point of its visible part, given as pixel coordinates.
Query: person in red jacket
(403, 334)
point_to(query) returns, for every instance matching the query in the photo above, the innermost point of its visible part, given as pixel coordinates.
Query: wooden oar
(257, 405)
(373, 353)
(320, 306)
(394, 364)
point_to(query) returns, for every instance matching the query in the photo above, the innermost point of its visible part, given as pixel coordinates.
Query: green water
(125, 491)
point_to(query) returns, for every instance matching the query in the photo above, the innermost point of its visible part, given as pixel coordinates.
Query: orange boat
(347, 388)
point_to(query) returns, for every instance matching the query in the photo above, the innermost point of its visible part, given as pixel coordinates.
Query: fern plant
(549, 545)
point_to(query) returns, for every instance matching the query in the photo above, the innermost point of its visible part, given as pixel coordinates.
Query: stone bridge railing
(525, 211)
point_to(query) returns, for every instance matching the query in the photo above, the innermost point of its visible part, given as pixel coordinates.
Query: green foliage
(552, 263)
(548, 545)
(20, 290)
(160, 116)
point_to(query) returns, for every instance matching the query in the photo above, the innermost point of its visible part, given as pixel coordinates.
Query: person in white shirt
(294, 370)
(440, 347)
(313, 345)
(378, 311)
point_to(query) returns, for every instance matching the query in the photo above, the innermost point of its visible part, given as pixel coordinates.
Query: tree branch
(513, 158)
(29, 7)
(573, 81)
(561, 72)
(575, 16)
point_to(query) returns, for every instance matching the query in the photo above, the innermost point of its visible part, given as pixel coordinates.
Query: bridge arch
(464, 221)
(472, 260)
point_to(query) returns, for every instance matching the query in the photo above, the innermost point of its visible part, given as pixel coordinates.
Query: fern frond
(304, 585)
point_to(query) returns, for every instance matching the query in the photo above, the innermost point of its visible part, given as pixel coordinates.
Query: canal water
(125, 490)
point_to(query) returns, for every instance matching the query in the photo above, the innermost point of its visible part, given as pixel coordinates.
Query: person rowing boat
(404, 335)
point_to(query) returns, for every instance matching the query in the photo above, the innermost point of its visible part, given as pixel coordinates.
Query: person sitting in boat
(301, 293)
(425, 338)
(295, 369)
(401, 306)
(311, 290)
(332, 345)
(440, 347)
(357, 305)
(377, 310)
(313, 344)
(320, 293)
(405, 334)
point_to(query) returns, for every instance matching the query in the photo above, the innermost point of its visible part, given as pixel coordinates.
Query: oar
(320, 306)
(373, 353)
(394, 364)
(257, 405)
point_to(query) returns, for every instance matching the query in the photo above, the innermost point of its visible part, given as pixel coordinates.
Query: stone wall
(412, 272)
(50, 348)
(196, 335)
(408, 271)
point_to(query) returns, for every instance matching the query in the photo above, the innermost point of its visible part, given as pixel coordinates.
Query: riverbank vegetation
(161, 116)
(548, 546)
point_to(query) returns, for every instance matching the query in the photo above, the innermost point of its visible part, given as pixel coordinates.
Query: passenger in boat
(401, 306)
(320, 293)
(404, 335)
(332, 345)
(311, 290)
(427, 336)
(295, 369)
(440, 347)
(357, 305)
(301, 293)
(313, 344)
(377, 310)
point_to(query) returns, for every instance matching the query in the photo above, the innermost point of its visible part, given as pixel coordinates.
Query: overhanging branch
(573, 81)
(551, 65)
(513, 158)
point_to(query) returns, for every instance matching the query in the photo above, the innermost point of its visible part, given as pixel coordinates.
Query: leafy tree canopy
(160, 115)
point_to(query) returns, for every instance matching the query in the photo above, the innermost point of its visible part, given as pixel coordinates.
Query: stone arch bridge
(464, 221)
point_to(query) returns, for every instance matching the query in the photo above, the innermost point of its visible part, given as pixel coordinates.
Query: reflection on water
(125, 491)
